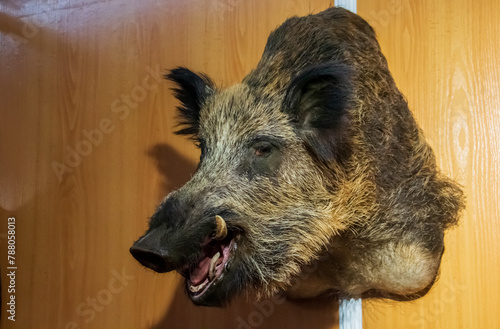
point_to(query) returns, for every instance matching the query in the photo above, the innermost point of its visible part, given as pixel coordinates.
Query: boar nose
(149, 253)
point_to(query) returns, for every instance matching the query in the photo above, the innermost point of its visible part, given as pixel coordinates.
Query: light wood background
(73, 68)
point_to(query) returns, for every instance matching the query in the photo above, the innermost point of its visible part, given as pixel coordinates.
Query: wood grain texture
(80, 87)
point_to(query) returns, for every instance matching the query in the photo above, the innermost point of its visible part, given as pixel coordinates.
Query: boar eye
(264, 158)
(262, 149)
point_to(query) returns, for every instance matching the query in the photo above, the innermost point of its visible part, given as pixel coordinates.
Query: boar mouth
(203, 277)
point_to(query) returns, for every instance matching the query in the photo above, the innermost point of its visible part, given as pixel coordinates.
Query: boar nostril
(152, 259)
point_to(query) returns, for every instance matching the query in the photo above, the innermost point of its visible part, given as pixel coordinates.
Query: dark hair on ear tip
(192, 91)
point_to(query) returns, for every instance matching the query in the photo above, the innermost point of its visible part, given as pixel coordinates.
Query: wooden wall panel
(87, 151)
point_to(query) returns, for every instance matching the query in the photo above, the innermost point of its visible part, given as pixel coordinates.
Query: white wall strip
(350, 314)
(350, 311)
(347, 4)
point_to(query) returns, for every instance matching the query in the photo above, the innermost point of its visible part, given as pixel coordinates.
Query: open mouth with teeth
(203, 276)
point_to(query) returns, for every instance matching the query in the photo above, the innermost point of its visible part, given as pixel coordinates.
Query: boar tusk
(221, 231)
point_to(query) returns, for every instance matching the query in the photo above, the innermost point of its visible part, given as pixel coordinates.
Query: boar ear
(317, 101)
(192, 91)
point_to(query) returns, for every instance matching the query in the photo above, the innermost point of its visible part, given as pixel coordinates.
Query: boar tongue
(200, 272)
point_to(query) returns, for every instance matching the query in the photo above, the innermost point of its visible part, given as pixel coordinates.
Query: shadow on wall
(241, 314)
(176, 170)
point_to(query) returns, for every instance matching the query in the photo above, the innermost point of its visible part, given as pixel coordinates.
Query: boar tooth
(199, 287)
(194, 288)
(213, 264)
(221, 231)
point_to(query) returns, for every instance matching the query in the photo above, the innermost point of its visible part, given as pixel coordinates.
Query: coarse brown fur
(344, 170)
